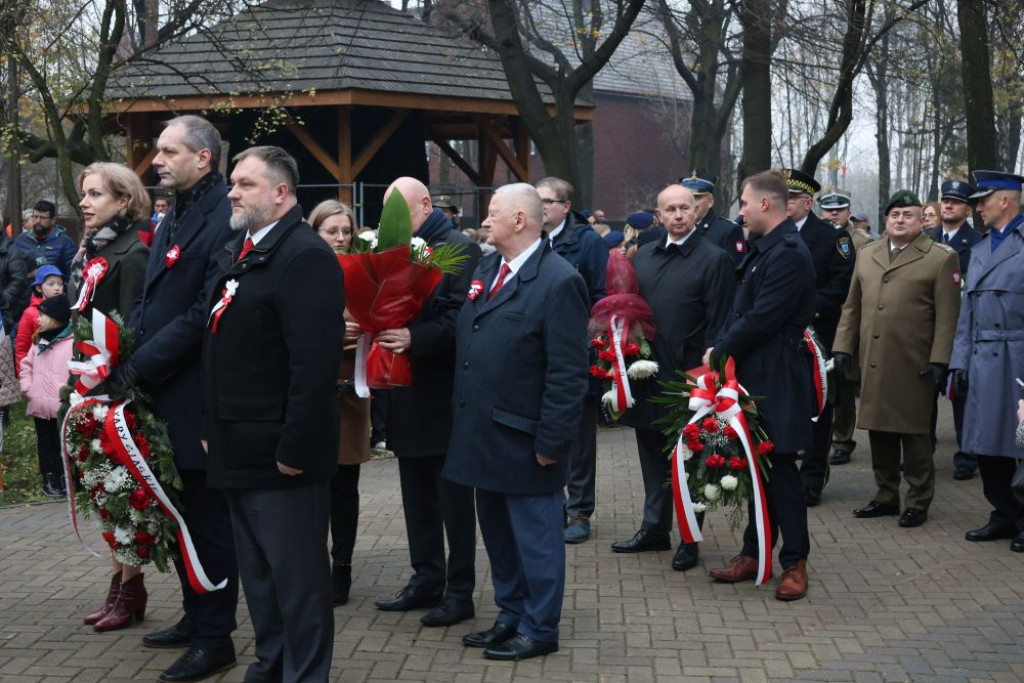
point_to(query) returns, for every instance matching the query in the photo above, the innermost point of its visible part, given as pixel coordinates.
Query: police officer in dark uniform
(833, 254)
(957, 233)
(714, 228)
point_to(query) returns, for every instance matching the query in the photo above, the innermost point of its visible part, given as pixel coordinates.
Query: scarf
(47, 337)
(105, 235)
(436, 226)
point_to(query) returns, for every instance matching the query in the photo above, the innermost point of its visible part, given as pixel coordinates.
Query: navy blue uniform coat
(965, 238)
(521, 373)
(833, 255)
(764, 334)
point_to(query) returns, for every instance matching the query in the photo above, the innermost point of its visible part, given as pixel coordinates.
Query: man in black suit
(168, 320)
(689, 284)
(764, 334)
(717, 230)
(419, 427)
(521, 368)
(270, 366)
(957, 233)
(833, 255)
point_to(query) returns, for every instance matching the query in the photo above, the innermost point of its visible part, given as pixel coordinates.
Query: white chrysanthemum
(74, 399)
(418, 243)
(117, 480)
(729, 482)
(123, 535)
(369, 236)
(642, 369)
(100, 412)
(611, 400)
(699, 507)
(712, 493)
(96, 446)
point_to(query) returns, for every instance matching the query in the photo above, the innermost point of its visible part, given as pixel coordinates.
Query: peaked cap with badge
(699, 182)
(992, 181)
(799, 182)
(957, 190)
(834, 200)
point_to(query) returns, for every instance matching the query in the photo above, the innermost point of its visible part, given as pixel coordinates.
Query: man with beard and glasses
(270, 360)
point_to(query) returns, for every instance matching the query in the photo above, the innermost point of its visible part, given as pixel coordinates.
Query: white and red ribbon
(820, 372)
(622, 394)
(226, 297)
(91, 275)
(66, 457)
(724, 404)
(359, 376)
(102, 351)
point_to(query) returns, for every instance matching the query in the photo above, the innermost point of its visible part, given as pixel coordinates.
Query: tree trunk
(879, 78)
(755, 16)
(977, 77)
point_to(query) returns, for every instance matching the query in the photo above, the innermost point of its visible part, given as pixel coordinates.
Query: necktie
(945, 238)
(893, 253)
(502, 274)
(245, 248)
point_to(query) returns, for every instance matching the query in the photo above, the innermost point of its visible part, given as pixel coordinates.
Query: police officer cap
(990, 181)
(443, 201)
(902, 198)
(640, 220)
(799, 182)
(699, 182)
(834, 200)
(957, 190)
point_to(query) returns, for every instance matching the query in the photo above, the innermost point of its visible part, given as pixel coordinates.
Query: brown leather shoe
(740, 568)
(793, 584)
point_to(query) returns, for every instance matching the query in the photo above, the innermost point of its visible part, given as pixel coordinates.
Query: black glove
(841, 363)
(960, 384)
(122, 379)
(937, 371)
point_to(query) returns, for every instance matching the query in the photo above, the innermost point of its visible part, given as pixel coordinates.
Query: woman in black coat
(114, 203)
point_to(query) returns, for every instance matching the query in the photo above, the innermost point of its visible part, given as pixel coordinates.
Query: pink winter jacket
(43, 373)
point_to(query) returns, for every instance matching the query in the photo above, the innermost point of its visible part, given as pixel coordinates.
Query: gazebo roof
(300, 48)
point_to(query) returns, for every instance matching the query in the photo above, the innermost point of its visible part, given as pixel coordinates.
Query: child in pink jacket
(43, 372)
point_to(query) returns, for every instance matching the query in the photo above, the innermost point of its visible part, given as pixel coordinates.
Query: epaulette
(943, 245)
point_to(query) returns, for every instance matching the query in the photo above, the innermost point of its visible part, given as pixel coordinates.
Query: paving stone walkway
(885, 604)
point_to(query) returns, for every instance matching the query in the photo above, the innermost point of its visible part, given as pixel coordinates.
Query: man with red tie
(521, 367)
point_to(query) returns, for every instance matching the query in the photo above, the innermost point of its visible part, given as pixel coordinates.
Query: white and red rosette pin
(476, 288)
(172, 256)
(91, 275)
(226, 297)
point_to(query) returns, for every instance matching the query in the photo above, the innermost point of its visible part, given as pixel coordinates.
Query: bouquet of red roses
(621, 325)
(388, 278)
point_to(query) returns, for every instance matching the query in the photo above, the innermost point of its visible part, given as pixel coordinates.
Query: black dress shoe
(495, 635)
(686, 556)
(1017, 544)
(179, 635)
(520, 647)
(812, 497)
(410, 597)
(991, 532)
(963, 473)
(448, 613)
(876, 509)
(643, 541)
(912, 517)
(839, 457)
(200, 663)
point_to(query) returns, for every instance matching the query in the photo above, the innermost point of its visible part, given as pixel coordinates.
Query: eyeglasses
(549, 202)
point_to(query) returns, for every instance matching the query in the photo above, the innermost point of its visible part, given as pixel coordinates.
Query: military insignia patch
(956, 277)
(844, 245)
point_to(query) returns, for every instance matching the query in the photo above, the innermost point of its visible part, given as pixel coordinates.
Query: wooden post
(345, 176)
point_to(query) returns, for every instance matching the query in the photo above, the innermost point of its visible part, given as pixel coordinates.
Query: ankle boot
(130, 604)
(108, 604)
(341, 581)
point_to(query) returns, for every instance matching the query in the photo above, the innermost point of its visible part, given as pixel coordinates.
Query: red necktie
(502, 274)
(245, 248)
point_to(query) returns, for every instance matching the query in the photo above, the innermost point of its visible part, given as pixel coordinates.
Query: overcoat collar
(527, 272)
(912, 252)
(188, 230)
(264, 249)
(686, 248)
(1011, 246)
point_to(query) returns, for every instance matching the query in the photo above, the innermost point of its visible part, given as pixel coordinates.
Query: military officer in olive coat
(900, 316)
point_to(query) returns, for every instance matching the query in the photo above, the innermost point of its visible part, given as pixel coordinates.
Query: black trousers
(581, 480)
(48, 448)
(996, 474)
(209, 523)
(435, 508)
(344, 513)
(657, 473)
(286, 575)
(814, 468)
(787, 512)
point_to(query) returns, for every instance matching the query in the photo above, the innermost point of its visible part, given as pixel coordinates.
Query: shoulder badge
(944, 246)
(844, 245)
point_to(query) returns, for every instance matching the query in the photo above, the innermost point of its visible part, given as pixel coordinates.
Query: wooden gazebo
(354, 88)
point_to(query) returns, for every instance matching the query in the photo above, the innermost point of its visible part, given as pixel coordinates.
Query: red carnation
(695, 446)
(631, 350)
(691, 431)
(103, 513)
(108, 447)
(730, 433)
(599, 343)
(142, 551)
(606, 356)
(714, 461)
(145, 538)
(710, 425)
(139, 499)
(109, 538)
(765, 447)
(88, 424)
(129, 418)
(144, 446)
(737, 463)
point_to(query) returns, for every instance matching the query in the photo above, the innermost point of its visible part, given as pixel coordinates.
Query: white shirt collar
(261, 233)
(952, 233)
(800, 223)
(515, 264)
(554, 233)
(679, 242)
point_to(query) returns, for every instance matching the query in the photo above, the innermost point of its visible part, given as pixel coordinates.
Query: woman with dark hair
(114, 204)
(335, 223)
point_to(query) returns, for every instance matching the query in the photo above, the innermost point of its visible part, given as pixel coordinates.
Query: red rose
(606, 356)
(691, 431)
(109, 538)
(714, 461)
(88, 424)
(129, 418)
(139, 499)
(710, 425)
(730, 433)
(142, 551)
(599, 343)
(765, 447)
(143, 444)
(695, 446)
(103, 513)
(145, 538)
(631, 350)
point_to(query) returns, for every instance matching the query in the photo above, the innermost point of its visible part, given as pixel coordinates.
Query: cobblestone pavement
(885, 604)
